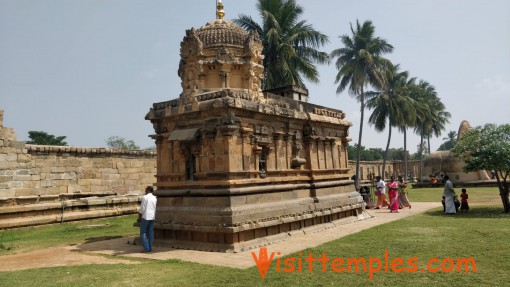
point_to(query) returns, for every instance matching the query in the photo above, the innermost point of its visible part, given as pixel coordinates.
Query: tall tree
(431, 116)
(391, 105)
(449, 141)
(439, 120)
(488, 148)
(410, 119)
(43, 138)
(290, 45)
(360, 64)
(424, 91)
(116, 142)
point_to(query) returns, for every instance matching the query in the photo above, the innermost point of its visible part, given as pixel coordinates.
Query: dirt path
(55, 256)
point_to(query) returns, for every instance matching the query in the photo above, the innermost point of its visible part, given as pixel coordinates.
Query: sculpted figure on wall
(253, 45)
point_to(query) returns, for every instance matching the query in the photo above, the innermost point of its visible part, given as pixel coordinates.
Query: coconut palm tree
(411, 118)
(432, 117)
(391, 105)
(424, 91)
(360, 64)
(439, 120)
(290, 45)
(449, 141)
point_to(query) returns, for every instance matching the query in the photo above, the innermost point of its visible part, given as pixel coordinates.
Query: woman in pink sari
(393, 194)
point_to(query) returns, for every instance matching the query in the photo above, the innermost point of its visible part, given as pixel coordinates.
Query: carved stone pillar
(335, 156)
(279, 150)
(328, 160)
(225, 79)
(246, 150)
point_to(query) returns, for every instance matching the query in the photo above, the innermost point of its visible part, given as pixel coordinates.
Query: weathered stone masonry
(239, 168)
(39, 182)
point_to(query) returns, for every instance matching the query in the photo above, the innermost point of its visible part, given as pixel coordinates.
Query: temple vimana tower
(238, 167)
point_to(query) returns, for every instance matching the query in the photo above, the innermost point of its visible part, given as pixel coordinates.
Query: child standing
(464, 206)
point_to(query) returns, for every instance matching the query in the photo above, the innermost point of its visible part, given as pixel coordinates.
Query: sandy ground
(94, 253)
(56, 256)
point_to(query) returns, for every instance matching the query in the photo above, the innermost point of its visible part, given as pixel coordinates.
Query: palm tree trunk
(421, 158)
(358, 152)
(405, 154)
(385, 156)
(428, 143)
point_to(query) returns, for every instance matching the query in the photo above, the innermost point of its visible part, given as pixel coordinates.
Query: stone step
(78, 209)
(70, 216)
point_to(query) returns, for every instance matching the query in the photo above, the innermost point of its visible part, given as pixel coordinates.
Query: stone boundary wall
(48, 184)
(370, 169)
(35, 170)
(32, 170)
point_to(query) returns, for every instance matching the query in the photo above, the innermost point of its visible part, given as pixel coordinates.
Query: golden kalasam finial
(219, 10)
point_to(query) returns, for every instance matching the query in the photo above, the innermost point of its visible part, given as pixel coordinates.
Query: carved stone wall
(234, 172)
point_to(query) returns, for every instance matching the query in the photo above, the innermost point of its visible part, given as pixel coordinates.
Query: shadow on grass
(101, 238)
(5, 247)
(474, 212)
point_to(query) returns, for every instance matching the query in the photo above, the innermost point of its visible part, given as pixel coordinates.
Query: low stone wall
(34, 170)
(38, 180)
(31, 210)
(27, 170)
(371, 169)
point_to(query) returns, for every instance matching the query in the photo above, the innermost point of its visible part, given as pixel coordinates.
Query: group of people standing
(450, 201)
(397, 194)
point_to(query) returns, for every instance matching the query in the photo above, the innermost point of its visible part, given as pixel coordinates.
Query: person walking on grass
(403, 201)
(381, 193)
(393, 194)
(147, 215)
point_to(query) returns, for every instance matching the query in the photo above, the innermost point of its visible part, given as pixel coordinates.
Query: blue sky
(91, 69)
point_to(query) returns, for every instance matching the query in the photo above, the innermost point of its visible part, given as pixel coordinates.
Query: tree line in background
(115, 142)
(377, 154)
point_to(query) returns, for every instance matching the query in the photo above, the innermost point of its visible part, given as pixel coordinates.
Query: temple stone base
(238, 219)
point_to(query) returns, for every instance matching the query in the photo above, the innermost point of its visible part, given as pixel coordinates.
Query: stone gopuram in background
(238, 168)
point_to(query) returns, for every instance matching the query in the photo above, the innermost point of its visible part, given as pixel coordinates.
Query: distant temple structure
(238, 168)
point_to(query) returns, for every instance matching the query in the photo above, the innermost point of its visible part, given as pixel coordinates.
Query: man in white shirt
(448, 194)
(147, 216)
(381, 193)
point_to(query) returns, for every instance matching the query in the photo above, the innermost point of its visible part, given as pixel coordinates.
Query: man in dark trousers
(147, 215)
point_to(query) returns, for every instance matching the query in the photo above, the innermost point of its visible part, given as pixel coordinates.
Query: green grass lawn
(38, 237)
(478, 195)
(482, 234)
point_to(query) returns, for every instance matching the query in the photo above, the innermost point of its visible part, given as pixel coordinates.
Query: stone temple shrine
(237, 167)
